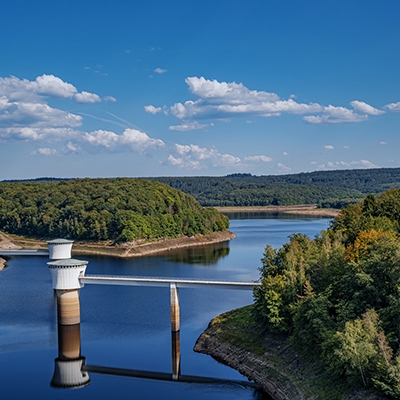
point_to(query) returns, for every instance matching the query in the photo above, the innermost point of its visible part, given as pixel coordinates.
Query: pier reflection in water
(71, 370)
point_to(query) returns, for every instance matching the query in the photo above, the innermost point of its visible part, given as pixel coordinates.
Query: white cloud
(110, 99)
(393, 106)
(335, 115)
(34, 120)
(43, 86)
(86, 97)
(152, 110)
(45, 151)
(361, 107)
(258, 159)
(130, 139)
(160, 71)
(329, 147)
(52, 86)
(283, 168)
(218, 100)
(189, 126)
(383, 143)
(345, 165)
(223, 99)
(285, 153)
(195, 157)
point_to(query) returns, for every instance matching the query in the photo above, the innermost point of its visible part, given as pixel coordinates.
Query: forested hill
(120, 209)
(326, 188)
(338, 295)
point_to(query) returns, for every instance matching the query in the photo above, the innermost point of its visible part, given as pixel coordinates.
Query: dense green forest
(121, 209)
(338, 295)
(325, 188)
(334, 189)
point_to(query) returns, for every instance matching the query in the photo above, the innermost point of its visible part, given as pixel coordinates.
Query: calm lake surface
(129, 327)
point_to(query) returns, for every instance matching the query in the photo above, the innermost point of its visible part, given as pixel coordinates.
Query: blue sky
(181, 88)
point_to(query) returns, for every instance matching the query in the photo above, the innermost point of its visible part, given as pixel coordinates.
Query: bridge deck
(164, 282)
(24, 252)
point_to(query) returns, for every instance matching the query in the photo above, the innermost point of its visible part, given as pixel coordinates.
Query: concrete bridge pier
(175, 310)
(68, 366)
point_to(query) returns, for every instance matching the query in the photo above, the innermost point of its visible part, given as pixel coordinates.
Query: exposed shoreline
(301, 209)
(126, 250)
(270, 361)
(144, 248)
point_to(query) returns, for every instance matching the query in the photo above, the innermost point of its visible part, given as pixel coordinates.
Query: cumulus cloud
(283, 168)
(152, 110)
(160, 71)
(335, 115)
(44, 86)
(86, 97)
(393, 106)
(351, 164)
(258, 159)
(25, 112)
(329, 147)
(195, 157)
(19, 114)
(223, 99)
(364, 108)
(130, 139)
(110, 99)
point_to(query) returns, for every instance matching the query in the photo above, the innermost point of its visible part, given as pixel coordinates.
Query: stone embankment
(257, 368)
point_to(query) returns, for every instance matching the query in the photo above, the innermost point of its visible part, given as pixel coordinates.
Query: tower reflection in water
(69, 365)
(70, 368)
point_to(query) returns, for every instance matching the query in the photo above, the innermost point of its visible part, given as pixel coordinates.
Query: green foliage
(248, 190)
(119, 209)
(328, 189)
(338, 295)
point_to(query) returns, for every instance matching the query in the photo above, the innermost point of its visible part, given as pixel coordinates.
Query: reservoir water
(129, 327)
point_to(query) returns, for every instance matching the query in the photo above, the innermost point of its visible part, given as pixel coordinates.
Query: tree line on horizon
(119, 209)
(338, 295)
(328, 189)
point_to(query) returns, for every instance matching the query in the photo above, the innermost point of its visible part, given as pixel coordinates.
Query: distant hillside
(121, 209)
(326, 188)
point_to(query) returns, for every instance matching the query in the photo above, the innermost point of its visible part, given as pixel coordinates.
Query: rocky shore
(269, 360)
